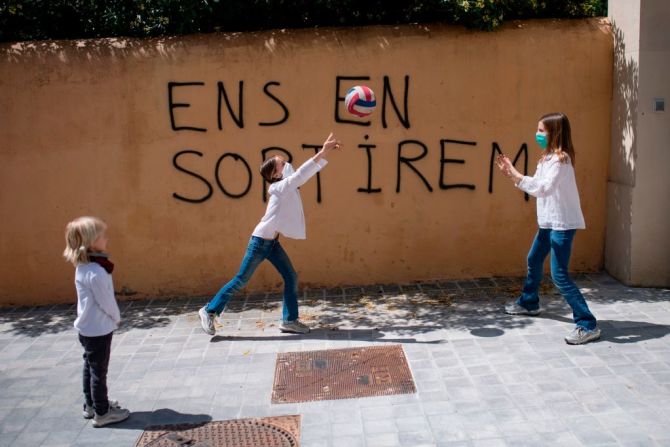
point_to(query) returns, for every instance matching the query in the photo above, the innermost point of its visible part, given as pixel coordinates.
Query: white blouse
(284, 213)
(555, 187)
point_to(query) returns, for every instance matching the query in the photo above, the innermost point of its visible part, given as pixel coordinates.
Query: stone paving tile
(483, 378)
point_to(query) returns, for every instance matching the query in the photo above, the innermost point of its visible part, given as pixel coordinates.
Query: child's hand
(328, 145)
(331, 143)
(505, 165)
(508, 169)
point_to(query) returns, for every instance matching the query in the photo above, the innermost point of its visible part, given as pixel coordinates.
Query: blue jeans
(560, 245)
(257, 251)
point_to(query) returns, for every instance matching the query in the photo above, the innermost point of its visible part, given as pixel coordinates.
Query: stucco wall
(625, 20)
(86, 129)
(651, 205)
(638, 243)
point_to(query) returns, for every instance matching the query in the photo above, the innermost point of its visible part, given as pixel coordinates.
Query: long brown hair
(559, 137)
(268, 170)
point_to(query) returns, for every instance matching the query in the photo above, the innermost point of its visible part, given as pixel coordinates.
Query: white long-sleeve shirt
(555, 187)
(97, 311)
(284, 212)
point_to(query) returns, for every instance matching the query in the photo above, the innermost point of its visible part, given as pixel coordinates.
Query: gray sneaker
(207, 321)
(88, 412)
(513, 308)
(112, 416)
(580, 335)
(296, 327)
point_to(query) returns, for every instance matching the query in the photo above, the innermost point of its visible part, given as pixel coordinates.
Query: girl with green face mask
(559, 215)
(283, 215)
(541, 140)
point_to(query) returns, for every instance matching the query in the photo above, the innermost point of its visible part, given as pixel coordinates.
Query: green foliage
(63, 19)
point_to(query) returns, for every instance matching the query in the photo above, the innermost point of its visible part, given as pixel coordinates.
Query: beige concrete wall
(625, 21)
(638, 243)
(651, 202)
(86, 130)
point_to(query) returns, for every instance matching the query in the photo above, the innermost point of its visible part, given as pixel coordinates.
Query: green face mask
(541, 140)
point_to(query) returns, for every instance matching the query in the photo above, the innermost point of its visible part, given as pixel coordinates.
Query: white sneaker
(295, 327)
(113, 415)
(207, 321)
(88, 412)
(580, 335)
(512, 308)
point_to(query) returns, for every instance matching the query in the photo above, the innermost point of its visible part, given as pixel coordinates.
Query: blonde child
(559, 215)
(284, 215)
(97, 314)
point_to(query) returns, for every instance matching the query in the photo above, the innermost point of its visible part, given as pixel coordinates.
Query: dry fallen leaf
(307, 317)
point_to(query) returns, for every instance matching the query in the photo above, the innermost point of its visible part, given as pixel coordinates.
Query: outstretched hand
(330, 144)
(505, 165)
(508, 169)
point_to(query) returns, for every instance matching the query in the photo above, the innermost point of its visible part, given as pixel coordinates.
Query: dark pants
(96, 362)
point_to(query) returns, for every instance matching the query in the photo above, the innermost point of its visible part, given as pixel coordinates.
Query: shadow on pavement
(44, 320)
(487, 332)
(367, 312)
(141, 420)
(621, 331)
(339, 334)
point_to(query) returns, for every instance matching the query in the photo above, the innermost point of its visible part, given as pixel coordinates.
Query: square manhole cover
(279, 431)
(341, 374)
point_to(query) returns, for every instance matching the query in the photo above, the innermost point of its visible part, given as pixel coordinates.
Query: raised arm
(545, 185)
(328, 145)
(308, 169)
(535, 186)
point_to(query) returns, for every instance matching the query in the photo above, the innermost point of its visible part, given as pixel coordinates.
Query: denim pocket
(258, 245)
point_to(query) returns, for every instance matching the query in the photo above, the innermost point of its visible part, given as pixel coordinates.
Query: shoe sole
(104, 424)
(293, 331)
(530, 313)
(203, 318)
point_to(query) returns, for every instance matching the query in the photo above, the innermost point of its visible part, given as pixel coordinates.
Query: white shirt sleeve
(544, 184)
(104, 297)
(298, 178)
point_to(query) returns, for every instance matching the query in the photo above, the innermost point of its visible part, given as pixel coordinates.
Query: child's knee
(561, 280)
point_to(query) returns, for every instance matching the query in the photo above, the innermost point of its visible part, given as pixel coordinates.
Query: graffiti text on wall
(408, 151)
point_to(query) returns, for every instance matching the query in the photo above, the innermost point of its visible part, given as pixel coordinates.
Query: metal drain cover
(341, 374)
(281, 431)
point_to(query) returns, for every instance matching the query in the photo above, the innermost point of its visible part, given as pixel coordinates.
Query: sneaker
(207, 321)
(88, 412)
(113, 415)
(296, 327)
(580, 335)
(513, 308)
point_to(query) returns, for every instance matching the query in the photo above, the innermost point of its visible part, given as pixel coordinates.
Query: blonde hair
(80, 234)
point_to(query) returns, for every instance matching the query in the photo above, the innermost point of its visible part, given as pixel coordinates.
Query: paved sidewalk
(483, 378)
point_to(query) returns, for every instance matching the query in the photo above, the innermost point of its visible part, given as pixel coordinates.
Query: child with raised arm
(559, 216)
(284, 215)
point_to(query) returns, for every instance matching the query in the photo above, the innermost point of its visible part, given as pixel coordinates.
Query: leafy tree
(73, 19)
